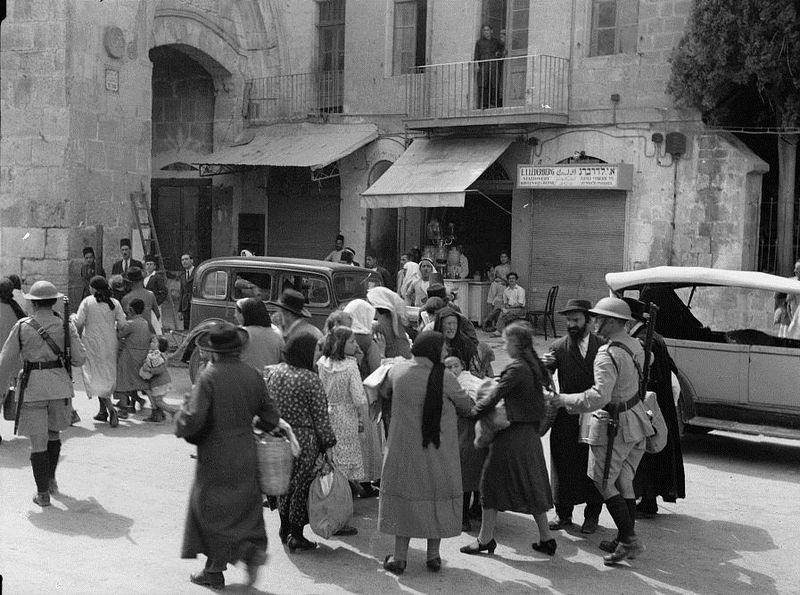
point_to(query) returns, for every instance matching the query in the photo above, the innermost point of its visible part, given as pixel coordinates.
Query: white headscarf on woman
(386, 299)
(362, 313)
(411, 276)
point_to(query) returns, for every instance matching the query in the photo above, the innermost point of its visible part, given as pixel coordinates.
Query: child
(154, 370)
(495, 301)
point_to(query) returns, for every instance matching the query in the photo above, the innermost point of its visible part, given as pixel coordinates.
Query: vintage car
(219, 282)
(735, 372)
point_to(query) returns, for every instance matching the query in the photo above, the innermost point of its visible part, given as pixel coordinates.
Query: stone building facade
(104, 99)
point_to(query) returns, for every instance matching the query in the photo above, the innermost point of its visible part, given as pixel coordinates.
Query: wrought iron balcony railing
(294, 96)
(505, 86)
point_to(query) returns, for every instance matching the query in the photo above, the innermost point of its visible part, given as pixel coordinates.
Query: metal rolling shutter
(578, 237)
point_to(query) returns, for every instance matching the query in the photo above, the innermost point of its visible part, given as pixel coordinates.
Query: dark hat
(437, 290)
(293, 301)
(151, 258)
(576, 306)
(340, 237)
(638, 308)
(134, 274)
(222, 338)
(88, 250)
(124, 242)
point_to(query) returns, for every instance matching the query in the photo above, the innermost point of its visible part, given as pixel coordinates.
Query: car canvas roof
(700, 276)
(283, 262)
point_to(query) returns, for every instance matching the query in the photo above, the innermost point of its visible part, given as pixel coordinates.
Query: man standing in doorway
(335, 255)
(187, 282)
(89, 269)
(573, 357)
(152, 280)
(127, 261)
(372, 263)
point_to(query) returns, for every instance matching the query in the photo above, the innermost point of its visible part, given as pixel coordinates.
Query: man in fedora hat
(45, 395)
(225, 519)
(661, 473)
(617, 440)
(294, 317)
(89, 269)
(573, 357)
(127, 261)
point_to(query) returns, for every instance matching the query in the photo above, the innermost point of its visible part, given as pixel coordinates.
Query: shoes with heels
(546, 547)
(434, 564)
(394, 566)
(300, 543)
(478, 547)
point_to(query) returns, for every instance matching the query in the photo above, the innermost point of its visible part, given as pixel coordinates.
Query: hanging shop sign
(576, 176)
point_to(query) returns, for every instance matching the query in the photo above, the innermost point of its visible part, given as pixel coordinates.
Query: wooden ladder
(143, 217)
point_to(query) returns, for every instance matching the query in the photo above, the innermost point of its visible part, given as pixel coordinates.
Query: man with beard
(573, 357)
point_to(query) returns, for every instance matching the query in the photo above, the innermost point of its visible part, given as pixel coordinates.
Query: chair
(549, 312)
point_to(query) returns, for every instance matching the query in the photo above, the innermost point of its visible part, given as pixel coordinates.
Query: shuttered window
(615, 27)
(409, 41)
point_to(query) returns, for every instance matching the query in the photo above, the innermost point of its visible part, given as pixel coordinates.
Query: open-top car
(735, 372)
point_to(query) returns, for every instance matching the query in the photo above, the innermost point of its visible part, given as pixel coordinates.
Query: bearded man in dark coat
(573, 357)
(661, 473)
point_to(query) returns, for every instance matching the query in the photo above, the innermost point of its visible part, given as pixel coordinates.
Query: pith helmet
(43, 290)
(613, 308)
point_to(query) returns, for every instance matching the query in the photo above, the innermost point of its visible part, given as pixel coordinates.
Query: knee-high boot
(41, 474)
(631, 502)
(53, 453)
(618, 509)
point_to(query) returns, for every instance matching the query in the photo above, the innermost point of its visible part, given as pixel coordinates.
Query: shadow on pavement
(81, 517)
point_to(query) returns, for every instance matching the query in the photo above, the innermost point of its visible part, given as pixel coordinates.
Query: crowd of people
(407, 438)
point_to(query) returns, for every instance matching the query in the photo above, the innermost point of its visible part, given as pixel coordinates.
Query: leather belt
(43, 365)
(622, 407)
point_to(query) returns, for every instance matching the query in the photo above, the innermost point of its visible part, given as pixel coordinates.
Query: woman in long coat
(421, 481)
(225, 519)
(515, 473)
(98, 318)
(298, 391)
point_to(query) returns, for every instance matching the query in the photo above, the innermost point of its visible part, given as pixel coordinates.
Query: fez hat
(293, 301)
(613, 308)
(134, 274)
(43, 290)
(88, 250)
(222, 338)
(124, 242)
(340, 237)
(638, 308)
(574, 305)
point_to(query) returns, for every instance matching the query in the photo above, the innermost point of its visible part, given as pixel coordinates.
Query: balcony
(293, 96)
(522, 90)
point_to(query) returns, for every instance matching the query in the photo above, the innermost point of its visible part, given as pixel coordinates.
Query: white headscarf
(362, 313)
(386, 299)
(412, 275)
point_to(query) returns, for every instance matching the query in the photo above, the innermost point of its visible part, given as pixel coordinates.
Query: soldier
(573, 357)
(36, 343)
(620, 423)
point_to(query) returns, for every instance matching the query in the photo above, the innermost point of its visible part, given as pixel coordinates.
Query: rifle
(67, 340)
(652, 312)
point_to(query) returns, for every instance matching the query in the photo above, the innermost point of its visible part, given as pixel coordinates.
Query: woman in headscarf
(451, 325)
(225, 520)
(299, 393)
(373, 348)
(421, 482)
(98, 320)
(410, 277)
(419, 290)
(515, 473)
(265, 344)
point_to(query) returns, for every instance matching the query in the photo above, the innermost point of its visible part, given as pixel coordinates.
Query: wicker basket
(275, 462)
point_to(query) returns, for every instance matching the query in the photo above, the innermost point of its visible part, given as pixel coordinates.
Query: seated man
(514, 306)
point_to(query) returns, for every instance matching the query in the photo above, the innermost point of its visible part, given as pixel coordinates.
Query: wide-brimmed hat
(638, 308)
(134, 274)
(222, 338)
(43, 290)
(613, 308)
(294, 302)
(576, 306)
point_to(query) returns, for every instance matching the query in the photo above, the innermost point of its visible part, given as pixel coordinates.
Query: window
(351, 285)
(330, 82)
(615, 25)
(314, 289)
(252, 284)
(215, 285)
(410, 29)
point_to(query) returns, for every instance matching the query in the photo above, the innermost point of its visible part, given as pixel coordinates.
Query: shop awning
(434, 173)
(301, 144)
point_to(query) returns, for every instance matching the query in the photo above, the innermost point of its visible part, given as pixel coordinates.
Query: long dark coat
(225, 517)
(568, 457)
(661, 474)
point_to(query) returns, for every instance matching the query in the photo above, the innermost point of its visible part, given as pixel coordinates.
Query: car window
(257, 284)
(215, 285)
(313, 288)
(348, 285)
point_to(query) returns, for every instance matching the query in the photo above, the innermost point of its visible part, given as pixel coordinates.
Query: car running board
(743, 428)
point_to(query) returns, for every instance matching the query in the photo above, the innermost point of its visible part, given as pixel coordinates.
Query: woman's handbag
(658, 440)
(487, 427)
(10, 402)
(330, 501)
(275, 462)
